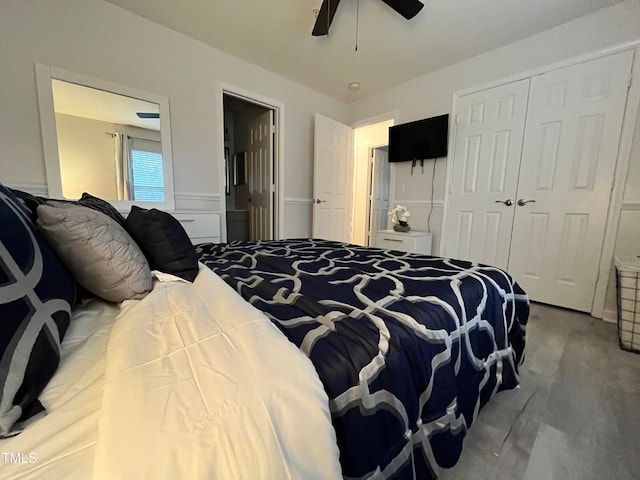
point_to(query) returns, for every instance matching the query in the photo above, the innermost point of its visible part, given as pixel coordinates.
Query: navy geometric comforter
(408, 347)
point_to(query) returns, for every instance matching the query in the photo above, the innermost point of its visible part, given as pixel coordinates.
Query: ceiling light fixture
(354, 86)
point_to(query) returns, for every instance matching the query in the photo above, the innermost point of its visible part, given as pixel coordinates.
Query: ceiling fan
(407, 8)
(147, 115)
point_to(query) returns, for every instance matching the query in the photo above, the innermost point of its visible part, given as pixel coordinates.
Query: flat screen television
(419, 140)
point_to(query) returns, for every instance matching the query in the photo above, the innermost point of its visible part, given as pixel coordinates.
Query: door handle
(522, 202)
(320, 201)
(508, 202)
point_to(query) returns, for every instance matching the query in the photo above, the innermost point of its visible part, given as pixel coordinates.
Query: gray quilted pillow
(98, 252)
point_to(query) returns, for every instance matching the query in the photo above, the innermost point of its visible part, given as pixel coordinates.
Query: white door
(261, 185)
(332, 179)
(486, 156)
(379, 192)
(568, 161)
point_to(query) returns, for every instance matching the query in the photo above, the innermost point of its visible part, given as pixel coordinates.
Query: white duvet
(199, 384)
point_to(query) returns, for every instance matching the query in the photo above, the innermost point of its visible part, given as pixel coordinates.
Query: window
(145, 159)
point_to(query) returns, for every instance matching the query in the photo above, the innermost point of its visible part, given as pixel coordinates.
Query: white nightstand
(412, 241)
(200, 226)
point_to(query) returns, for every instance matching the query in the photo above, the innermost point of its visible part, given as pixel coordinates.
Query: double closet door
(532, 173)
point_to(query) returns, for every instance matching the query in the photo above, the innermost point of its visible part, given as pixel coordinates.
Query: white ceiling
(276, 35)
(86, 102)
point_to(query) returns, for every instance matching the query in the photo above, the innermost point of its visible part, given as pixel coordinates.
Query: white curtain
(123, 167)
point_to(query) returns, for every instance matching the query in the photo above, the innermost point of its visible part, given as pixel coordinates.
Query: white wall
(100, 40)
(87, 157)
(432, 94)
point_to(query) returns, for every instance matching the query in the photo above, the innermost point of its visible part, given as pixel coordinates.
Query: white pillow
(98, 252)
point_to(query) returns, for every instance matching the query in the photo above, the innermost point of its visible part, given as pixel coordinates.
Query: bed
(408, 347)
(283, 359)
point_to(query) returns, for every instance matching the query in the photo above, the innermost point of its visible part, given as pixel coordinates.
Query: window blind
(146, 169)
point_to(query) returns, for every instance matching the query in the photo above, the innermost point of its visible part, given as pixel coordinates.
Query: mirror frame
(44, 75)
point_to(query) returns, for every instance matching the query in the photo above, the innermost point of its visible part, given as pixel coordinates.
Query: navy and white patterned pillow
(36, 294)
(30, 201)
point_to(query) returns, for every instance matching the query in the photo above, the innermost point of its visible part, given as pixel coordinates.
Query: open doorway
(250, 157)
(379, 192)
(372, 180)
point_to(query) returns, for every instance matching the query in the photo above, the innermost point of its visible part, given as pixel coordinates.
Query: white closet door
(569, 155)
(486, 158)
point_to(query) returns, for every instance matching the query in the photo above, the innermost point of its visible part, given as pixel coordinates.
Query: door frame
(278, 109)
(616, 200)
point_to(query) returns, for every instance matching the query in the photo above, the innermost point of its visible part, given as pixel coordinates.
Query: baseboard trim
(207, 197)
(298, 201)
(610, 316)
(421, 203)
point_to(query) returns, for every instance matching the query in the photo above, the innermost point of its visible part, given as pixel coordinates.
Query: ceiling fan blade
(147, 115)
(407, 8)
(325, 17)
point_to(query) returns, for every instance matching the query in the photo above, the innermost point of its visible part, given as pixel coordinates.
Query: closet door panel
(486, 156)
(569, 155)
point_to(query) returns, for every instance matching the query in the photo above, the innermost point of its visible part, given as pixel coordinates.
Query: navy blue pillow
(163, 241)
(36, 294)
(95, 203)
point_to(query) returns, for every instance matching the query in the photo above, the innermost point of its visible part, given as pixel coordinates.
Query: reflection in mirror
(105, 147)
(107, 140)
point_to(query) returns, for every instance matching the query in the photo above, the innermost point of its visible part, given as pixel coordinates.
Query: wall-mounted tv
(419, 140)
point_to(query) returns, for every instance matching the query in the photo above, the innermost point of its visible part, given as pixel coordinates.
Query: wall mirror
(111, 141)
